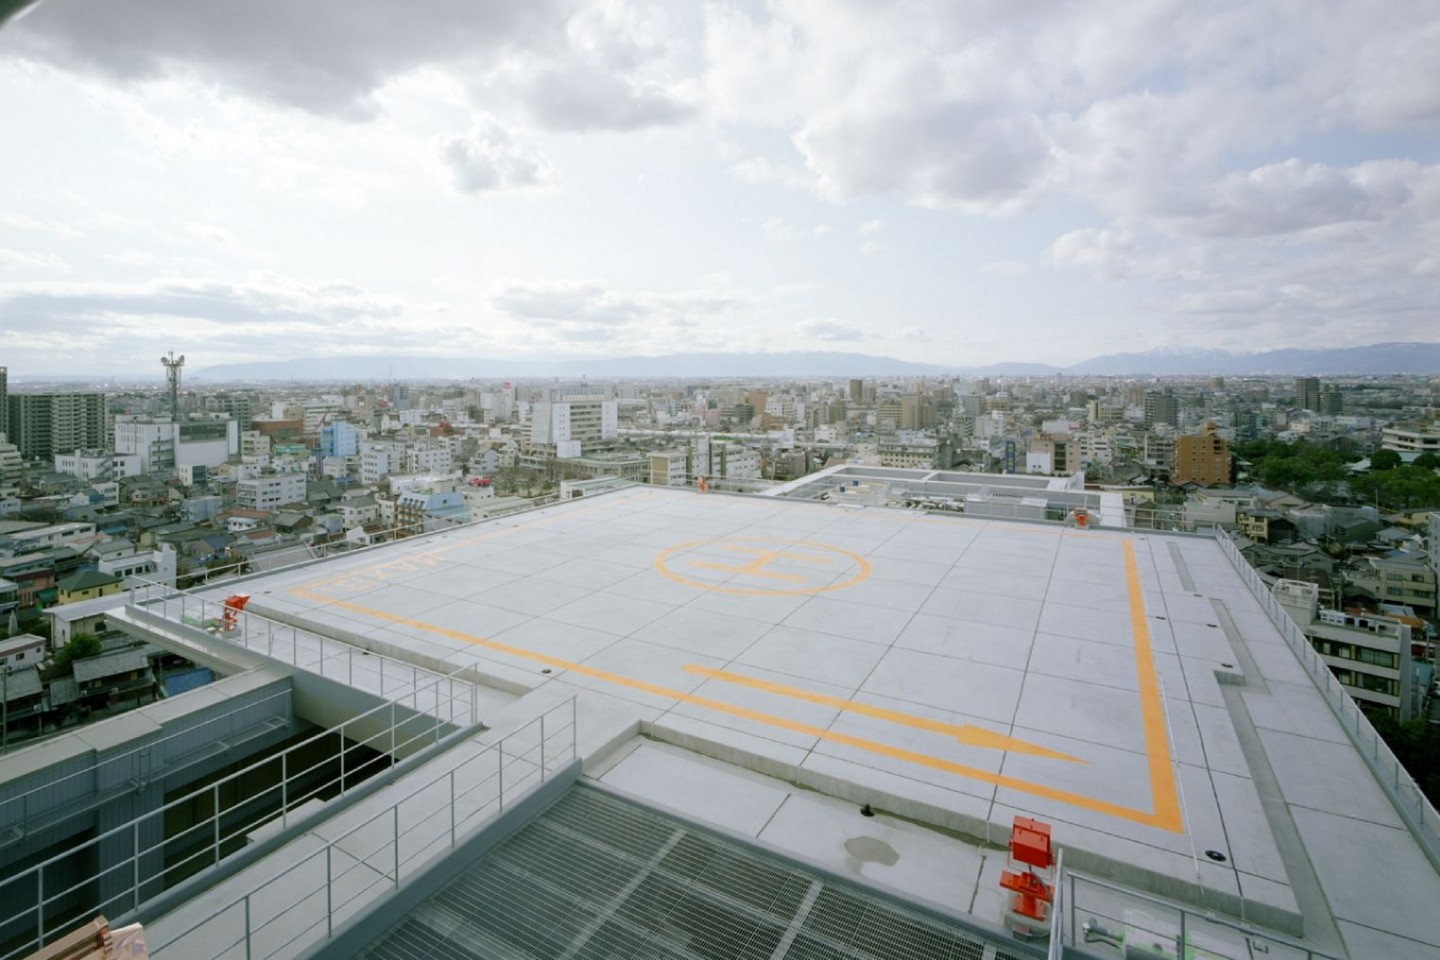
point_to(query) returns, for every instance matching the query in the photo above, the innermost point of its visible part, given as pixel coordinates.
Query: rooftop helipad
(1125, 687)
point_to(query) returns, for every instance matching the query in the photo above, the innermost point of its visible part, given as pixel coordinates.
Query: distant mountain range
(1423, 358)
(1379, 358)
(811, 364)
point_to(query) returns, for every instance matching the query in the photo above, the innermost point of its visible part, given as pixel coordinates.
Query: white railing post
(135, 844)
(285, 789)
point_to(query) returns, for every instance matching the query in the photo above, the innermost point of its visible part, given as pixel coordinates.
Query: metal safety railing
(22, 808)
(136, 865)
(312, 652)
(1107, 920)
(1410, 801)
(288, 911)
(1058, 904)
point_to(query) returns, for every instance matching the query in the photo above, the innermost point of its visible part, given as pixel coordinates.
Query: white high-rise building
(568, 426)
(380, 458)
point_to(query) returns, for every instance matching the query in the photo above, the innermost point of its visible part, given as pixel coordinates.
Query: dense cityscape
(1331, 482)
(744, 480)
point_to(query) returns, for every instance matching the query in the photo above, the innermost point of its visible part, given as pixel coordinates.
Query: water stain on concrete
(863, 850)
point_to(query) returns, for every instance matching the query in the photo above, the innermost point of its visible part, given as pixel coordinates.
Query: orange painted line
(1163, 793)
(662, 560)
(967, 734)
(403, 562)
(1166, 815)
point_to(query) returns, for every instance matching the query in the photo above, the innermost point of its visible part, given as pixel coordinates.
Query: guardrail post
(40, 907)
(136, 845)
(285, 789)
(452, 808)
(247, 926)
(329, 894)
(216, 793)
(395, 827)
(500, 752)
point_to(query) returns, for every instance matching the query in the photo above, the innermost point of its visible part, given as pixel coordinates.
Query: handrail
(1058, 904)
(237, 630)
(96, 768)
(387, 734)
(385, 859)
(1189, 920)
(1404, 793)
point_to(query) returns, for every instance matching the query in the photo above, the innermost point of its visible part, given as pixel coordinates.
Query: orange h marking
(763, 558)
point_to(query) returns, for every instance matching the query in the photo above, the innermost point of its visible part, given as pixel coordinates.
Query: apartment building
(40, 424)
(1369, 655)
(1203, 459)
(567, 427)
(97, 465)
(1411, 439)
(270, 491)
(379, 459)
(1403, 579)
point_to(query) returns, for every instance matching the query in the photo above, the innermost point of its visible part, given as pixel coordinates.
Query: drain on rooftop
(867, 811)
(1216, 855)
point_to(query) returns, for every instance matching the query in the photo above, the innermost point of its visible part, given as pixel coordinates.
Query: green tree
(1384, 460)
(1300, 467)
(1428, 460)
(81, 645)
(1409, 487)
(1417, 746)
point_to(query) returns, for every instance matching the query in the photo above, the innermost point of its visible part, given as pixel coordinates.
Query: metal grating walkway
(597, 877)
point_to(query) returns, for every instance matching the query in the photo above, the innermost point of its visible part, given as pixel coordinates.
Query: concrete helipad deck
(954, 671)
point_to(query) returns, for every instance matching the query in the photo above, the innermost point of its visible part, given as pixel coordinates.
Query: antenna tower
(172, 373)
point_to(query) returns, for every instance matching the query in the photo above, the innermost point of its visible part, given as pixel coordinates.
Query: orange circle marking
(796, 567)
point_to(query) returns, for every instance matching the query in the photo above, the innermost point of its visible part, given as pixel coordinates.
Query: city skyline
(998, 183)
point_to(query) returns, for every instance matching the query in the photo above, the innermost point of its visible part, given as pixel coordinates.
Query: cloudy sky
(956, 182)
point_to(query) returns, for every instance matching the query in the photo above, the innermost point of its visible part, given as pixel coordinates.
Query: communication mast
(172, 373)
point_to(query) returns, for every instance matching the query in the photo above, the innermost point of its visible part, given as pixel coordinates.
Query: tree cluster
(1310, 470)
(1416, 745)
(1301, 467)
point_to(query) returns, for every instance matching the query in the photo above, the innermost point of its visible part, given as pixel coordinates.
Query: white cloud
(824, 329)
(559, 314)
(24, 262)
(488, 159)
(777, 230)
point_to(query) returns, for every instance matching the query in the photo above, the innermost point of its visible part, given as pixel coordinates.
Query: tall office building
(43, 423)
(1307, 393)
(1161, 407)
